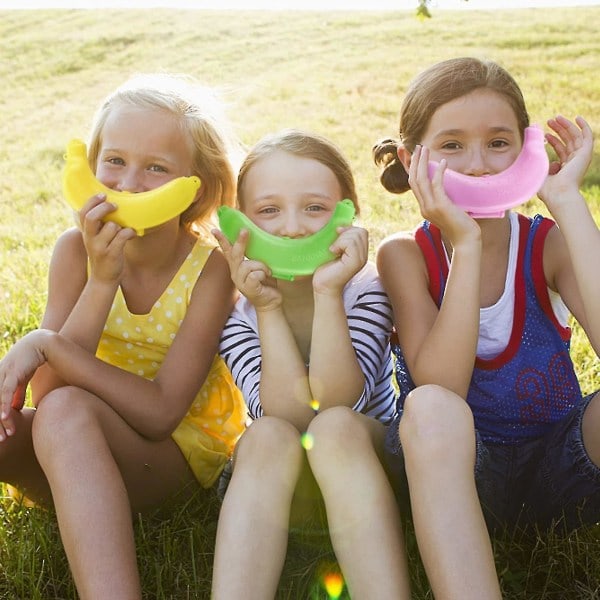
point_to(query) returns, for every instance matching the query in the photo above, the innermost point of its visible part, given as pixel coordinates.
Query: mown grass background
(341, 74)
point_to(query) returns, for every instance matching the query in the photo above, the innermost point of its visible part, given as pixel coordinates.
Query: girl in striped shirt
(312, 359)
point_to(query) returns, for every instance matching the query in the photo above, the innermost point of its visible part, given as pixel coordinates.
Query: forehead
(481, 106)
(279, 170)
(144, 126)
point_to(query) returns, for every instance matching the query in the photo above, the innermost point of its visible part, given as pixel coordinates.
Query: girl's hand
(104, 240)
(351, 248)
(251, 277)
(455, 224)
(16, 369)
(573, 144)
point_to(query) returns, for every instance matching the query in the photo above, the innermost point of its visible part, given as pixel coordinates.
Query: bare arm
(439, 345)
(335, 375)
(573, 253)
(163, 401)
(284, 386)
(78, 305)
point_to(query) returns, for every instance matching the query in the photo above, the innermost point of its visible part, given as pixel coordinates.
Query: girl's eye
(314, 208)
(268, 210)
(115, 160)
(499, 144)
(157, 168)
(450, 146)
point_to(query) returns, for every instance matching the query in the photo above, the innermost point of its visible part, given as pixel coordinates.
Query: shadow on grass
(175, 557)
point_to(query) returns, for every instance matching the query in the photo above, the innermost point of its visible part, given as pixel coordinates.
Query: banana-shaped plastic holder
(287, 258)
(490, 196)
(139, 211)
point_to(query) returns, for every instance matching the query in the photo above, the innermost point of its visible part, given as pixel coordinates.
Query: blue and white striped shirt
(369, 316)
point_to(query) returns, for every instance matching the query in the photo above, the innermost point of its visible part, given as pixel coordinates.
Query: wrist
(329, 287)
(41, 340)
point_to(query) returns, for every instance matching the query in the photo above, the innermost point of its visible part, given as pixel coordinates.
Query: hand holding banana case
(139, 211)
(491, 195)
(287, 258)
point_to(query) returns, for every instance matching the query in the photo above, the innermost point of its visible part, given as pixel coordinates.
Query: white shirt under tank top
(496, 321)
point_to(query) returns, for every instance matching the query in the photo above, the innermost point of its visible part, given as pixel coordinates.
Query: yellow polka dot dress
(139, 343)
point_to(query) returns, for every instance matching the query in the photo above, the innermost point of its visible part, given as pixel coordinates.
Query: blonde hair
(306, 145)
(201, 118)
(432, 88)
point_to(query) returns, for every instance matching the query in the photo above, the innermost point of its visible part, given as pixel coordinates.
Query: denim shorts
(547, 480)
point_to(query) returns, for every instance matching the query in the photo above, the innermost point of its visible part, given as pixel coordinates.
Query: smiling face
(290, 196)
(478, 134)
(141, 149)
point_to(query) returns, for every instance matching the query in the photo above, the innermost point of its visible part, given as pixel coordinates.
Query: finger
(7, 391)
(437, 180)
(355, 237)
(235, 253)
(567, 131)
(558, 146)
(247, 267)
(95, 210)
(221, 239)
(238, 249)
(18, 399)
(122, 236)
(414, 164)
(7, 427)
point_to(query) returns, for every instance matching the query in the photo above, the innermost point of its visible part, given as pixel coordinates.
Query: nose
(477, 166)
(130, 181)
(292, 226)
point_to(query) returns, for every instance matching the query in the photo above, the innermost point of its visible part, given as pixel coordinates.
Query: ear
(404, 155)
(199, 194)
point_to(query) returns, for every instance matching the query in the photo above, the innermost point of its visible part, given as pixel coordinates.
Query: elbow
(161, 426)
(159, 432)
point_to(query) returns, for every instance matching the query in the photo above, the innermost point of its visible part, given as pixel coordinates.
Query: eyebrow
(150, 158)
(497, 129)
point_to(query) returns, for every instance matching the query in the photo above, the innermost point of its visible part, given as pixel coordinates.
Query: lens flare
(314, 404)
(307, 441)
(334, 585)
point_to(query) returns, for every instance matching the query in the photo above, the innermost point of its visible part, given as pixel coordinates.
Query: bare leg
(252, 533)
(100, 469)
(364, 521)
(19, 466)
(438, 439)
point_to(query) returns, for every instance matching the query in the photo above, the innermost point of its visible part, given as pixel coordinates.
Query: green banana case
(287, 258)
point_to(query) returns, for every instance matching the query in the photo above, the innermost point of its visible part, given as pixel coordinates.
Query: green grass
(341, 74)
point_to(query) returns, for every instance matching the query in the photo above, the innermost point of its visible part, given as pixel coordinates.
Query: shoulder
(365, 293)
(400, 253)
(70, 240)
(398, 244)
(366, 279)
(208, 263)
(396, 240)
(69, 250)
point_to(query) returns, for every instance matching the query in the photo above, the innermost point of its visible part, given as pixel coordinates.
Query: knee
(60, 414)
(269, 443)
(336, 435)
(435, 422)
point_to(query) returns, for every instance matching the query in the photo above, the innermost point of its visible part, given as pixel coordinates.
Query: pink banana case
(490, 196)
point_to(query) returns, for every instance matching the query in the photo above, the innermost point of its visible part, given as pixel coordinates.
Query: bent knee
(341, 435)
(269, 441)
(335, 426)
(62, 410)
(433, 415)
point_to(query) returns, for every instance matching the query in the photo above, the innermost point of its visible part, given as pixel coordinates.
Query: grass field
(341, 74)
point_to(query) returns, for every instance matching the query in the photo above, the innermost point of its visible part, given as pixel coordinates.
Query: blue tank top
(531, 384)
